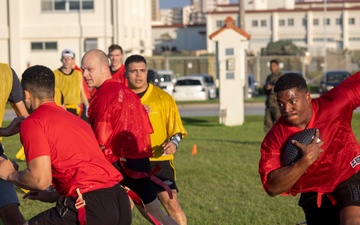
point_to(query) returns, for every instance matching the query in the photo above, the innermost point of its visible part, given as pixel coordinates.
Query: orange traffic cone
(194, 150)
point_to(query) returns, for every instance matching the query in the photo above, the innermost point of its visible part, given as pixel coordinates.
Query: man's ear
(308, 96)
(27, 95)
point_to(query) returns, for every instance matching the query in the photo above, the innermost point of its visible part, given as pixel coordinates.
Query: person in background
(61, 150)
(69, 89)
(327, 175)
(272, 112)
(168, 132)
(122, 128)
(11, 91)
(117, 68)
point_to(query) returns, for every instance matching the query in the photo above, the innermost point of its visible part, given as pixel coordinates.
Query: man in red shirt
(117, 68)
(122, 128)
(327, 175)
(62, 150)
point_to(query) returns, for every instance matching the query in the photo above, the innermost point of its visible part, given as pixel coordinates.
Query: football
(291, 153)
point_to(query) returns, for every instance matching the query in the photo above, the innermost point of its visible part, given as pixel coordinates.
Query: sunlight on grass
(218, 185)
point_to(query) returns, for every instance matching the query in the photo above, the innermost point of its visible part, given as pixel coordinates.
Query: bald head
(95, 66)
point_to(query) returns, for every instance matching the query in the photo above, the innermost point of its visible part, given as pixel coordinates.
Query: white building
(36, 31)
(302, 22)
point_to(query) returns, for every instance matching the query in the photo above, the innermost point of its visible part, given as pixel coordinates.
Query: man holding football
(327, 175)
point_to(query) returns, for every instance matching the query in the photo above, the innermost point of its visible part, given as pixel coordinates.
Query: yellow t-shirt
(67, 88)
(165, 119)
(6, 81)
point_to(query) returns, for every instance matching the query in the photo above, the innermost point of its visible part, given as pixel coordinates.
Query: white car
(167, 80)
(194, 87)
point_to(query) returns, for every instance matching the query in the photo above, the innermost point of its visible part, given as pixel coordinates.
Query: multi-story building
(310, 24)
(36, 31)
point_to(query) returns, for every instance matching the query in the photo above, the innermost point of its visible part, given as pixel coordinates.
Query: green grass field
(219, 185)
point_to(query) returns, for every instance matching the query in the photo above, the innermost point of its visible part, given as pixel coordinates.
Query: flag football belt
(80, 202)
(139, 175)
(319, 199)
(139, 202)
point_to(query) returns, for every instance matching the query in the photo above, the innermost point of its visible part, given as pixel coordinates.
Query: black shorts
(142, 187)
(347, 193)
(167, 174)
(103, 206)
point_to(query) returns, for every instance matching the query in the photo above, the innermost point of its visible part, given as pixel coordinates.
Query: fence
(258, 65)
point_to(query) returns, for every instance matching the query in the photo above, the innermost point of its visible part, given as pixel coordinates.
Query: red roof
(230, 24)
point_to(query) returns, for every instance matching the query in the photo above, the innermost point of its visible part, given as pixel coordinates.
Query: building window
(338, 21)
(254, 23)
(351, 21)
(229, 51)
(304, 21)
(263, 23)
(281, 23)
(290, 22)
(316, 22)
(230, 76)
(43, 46)
(90, 43)
(66, 5)
(219, 23)
(327, 21)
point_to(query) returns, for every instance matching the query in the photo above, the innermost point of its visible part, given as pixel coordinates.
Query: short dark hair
(115, 47)
(134, 58)
(39, 81)
(274, 61)
(289, 81)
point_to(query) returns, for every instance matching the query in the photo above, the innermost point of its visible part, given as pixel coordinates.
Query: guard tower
(231, 44)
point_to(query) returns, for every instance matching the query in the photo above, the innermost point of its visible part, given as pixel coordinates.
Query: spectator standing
(168, 131)
(272, 112)
(122, 128)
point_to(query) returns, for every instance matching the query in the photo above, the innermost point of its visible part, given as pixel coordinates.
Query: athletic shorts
(167, 174)
(103, 206)
(7, 189)
(142, 187)
(347, 193)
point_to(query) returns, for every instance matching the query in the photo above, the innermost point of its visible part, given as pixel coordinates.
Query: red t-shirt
(76, 159)
(119, 75)
(120, 122)
(332, 114)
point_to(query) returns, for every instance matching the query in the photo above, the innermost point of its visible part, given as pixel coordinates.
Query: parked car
(252, 86)
(167, 80)
(332, 79)
(194, 87)
(153, 77)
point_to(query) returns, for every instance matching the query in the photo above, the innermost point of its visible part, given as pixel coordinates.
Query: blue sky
(168, 4)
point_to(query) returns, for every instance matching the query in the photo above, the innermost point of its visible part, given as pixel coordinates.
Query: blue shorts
(7, 189)
(7, 193)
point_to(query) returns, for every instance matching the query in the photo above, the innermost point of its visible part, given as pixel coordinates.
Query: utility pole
(241, 19)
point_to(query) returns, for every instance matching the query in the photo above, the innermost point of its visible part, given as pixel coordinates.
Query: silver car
(194, 87)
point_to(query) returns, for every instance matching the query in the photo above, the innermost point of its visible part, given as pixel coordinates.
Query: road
(189, 110)
(213, 109)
